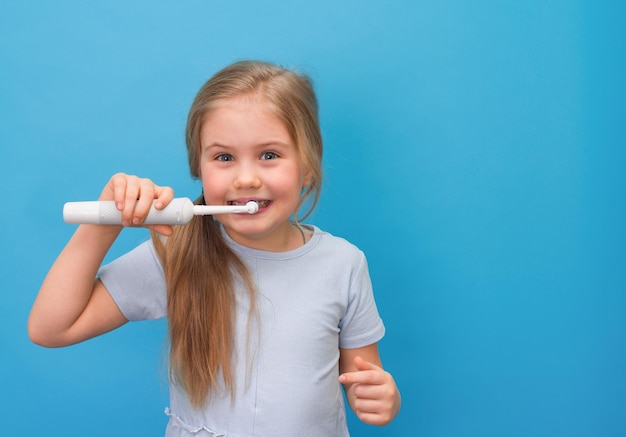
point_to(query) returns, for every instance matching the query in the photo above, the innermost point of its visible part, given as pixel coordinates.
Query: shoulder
(335, 241)
(136, 283)
(337, 248)
(143, 253)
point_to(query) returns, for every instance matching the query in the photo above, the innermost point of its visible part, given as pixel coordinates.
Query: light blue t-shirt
(311, 301)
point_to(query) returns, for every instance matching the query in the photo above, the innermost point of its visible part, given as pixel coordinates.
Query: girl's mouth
(261, 203)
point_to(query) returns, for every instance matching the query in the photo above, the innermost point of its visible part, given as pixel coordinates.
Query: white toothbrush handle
(178, 212)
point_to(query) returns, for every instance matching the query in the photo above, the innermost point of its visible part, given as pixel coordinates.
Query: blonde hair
(200, 268)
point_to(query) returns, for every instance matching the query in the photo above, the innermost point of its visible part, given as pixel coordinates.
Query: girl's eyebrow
(273, 144)
(263, 145)
(215, 145)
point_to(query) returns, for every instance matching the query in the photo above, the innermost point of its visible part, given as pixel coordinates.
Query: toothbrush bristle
(252, 207)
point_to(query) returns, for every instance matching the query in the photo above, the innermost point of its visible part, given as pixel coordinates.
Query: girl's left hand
(375, 398)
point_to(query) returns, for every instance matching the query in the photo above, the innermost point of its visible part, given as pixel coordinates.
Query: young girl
(267, 317)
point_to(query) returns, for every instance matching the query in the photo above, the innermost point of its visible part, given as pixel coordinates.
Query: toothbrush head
(252, 207)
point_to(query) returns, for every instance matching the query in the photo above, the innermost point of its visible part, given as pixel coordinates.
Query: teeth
(261, 203)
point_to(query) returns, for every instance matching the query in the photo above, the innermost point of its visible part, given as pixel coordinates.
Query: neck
(287, 238)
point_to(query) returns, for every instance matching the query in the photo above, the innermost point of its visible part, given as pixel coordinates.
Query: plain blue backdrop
(474, 151)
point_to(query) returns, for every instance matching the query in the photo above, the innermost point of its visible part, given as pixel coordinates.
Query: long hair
(200, 269)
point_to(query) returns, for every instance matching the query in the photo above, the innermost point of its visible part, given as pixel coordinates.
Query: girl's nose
(247, 178)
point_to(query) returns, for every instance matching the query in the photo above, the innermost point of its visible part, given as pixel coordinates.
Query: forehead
(248, 117)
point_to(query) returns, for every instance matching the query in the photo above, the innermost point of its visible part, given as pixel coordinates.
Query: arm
(370, 390)
(73, 306)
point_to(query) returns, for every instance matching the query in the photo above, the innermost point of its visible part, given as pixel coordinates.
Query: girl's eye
(269, 155)
(224, 157)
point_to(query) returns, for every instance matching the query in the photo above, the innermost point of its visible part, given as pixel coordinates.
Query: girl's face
(248, 154)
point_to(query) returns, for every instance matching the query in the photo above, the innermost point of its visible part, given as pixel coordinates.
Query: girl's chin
(247, 230)
(257, 232)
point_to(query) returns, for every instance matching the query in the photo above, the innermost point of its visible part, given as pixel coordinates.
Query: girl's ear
(307, 180)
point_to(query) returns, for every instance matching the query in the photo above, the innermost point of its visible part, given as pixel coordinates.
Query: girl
(267, 317)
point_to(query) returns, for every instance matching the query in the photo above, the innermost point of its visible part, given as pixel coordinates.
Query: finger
(365, 405)
(124, 188)
(165, 230)
(375, 411)
(152, 196)
(373, 377)
(164, 195)
(145, 198)
(373, 418)
(385, 390)
(117, 185)
(130, 196)
(362, 364)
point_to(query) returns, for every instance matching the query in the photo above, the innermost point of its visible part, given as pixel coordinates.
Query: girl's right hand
(134, 196)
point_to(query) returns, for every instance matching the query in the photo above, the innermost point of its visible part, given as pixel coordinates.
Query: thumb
(165, 230)
(362, 364)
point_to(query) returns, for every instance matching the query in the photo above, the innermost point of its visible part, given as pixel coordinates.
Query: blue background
(474, 151)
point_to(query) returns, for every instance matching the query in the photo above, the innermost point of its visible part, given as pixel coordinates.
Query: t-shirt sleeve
(137, 284)
(361, 324)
